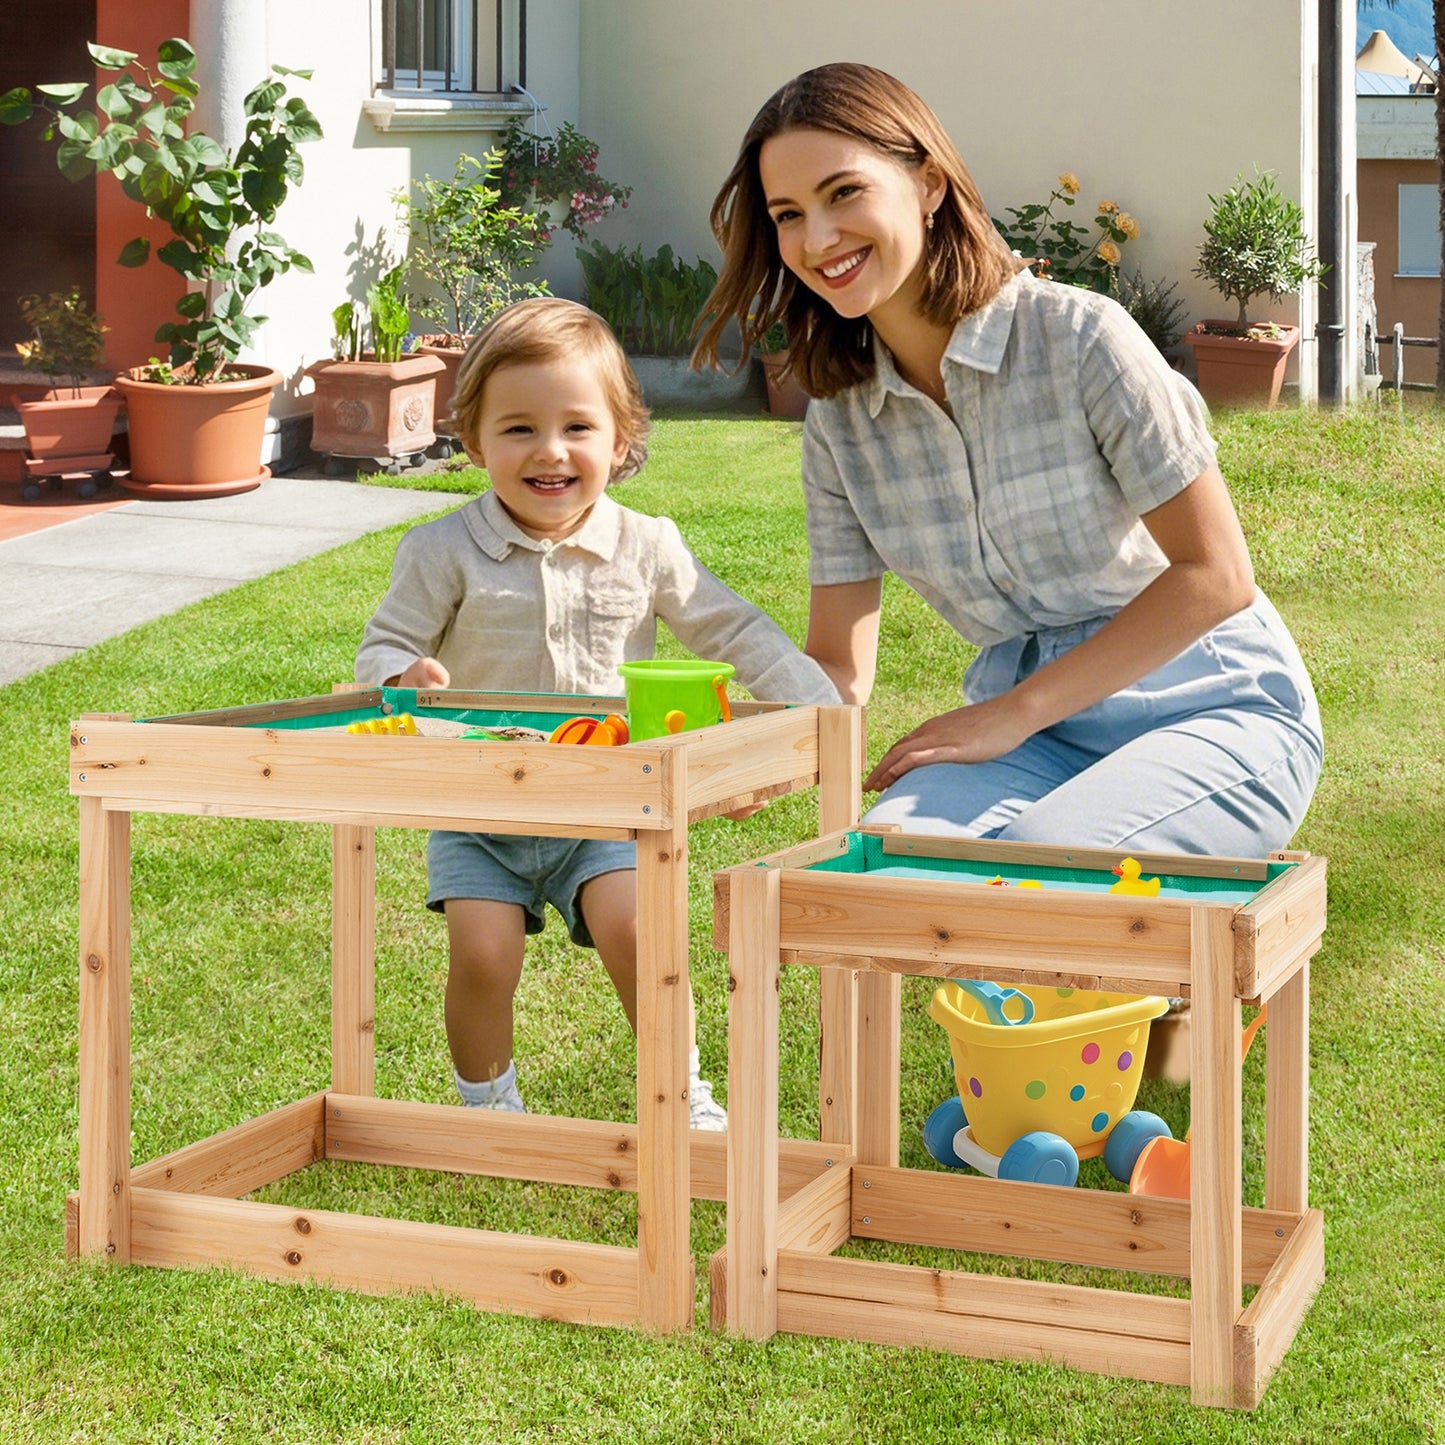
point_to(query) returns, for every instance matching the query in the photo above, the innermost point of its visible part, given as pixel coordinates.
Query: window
(471, 46)
(1419, 231)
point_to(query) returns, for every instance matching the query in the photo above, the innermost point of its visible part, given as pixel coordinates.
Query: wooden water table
(883, 904)
(294, 760)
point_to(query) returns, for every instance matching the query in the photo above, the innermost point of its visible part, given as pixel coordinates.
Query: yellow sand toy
(1043, 1086)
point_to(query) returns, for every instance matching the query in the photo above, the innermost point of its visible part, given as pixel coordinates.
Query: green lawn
(1346, 516)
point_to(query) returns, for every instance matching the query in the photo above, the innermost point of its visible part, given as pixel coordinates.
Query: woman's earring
(928, 222)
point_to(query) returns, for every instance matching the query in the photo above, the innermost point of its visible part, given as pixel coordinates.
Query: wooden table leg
(1287, 1093)
(353, 959)
(840, 772)
(875, 1139)
(1216, 1136)
(664, 1198)
(105, 1200)
(752, 1217)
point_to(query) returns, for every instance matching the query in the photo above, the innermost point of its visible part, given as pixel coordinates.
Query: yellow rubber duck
(1131, 882)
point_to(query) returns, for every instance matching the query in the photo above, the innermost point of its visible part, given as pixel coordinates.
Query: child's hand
(425, 672)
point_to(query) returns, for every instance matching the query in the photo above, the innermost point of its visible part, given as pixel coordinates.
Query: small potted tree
(1256, 245)
(379, 402)
(786, 396)
(67, 428)
(466, 251)
(196, 419)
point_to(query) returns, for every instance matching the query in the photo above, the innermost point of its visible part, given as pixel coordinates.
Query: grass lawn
(1346, 516)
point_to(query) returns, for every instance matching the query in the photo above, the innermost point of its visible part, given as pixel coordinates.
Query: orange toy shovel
(1162, 1168)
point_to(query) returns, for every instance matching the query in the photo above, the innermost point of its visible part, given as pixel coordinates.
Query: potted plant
(1256, 245)
(786, 396)
(379, 402)
(67, 429)
(466, 251)
(197, 418)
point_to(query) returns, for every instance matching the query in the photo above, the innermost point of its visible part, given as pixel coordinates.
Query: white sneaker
(499, 1094)
(505, 1101)
(704, 1112)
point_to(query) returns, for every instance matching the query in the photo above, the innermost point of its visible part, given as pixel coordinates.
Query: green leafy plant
(557, 173)
(652, 303)
(67, 337)
(1155, 306)
(219, 207)
(386, 326)
(467, 247)
(1256, 245)
(1063, 249)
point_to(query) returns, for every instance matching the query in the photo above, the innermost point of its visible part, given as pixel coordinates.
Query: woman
(1018, 453)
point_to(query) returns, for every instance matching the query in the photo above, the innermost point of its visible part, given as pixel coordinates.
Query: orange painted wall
(133, 302)
(1412, 300)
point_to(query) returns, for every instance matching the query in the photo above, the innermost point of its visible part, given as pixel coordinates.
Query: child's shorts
(531, 872)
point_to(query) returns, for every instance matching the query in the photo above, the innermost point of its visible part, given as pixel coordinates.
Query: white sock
(488, 1089)
(693, 1063)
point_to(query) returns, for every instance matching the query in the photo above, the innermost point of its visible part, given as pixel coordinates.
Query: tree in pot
(1255, 245)
(466, 251)
(67, 429)
(196, 419)
(786, 396)
(376, 402)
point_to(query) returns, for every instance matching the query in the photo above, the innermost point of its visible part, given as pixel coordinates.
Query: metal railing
(439, 45)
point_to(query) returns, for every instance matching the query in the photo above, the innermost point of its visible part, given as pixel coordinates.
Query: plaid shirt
(509, 613)
(1022, 511)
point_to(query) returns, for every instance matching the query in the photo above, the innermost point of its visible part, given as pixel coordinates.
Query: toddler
(545, 584)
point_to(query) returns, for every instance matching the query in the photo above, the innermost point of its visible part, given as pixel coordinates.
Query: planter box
(1239, 370)
(786, 396)
(375, 408)
(446, 382)
(65, 424)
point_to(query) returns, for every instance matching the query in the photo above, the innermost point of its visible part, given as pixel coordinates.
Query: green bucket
(668, 697)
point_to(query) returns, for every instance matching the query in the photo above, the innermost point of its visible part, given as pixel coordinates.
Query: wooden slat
(816, 1219)
(440, 778)
(1215, 1142)
(1284, 923)
(876, 1085)
(246, 1157)
(1270, 1322)
(104, 1057)
(547, 1278)
(364, 819)
(1037, 1221)
(1141, 1336)
(752, 1216)
(736, 759)
(1287, 1095)
(1047, 855)
(664, 1000)
(969, 923)
(800, 856)
(353, 959)
(250, 714)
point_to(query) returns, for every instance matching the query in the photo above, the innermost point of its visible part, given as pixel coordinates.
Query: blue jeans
(1216, 752)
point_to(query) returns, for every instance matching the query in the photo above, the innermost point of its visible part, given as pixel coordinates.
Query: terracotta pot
(1240, 370)
(375, 408)
(69, 423)
(450, 358)
(785, 396)
(188, 441)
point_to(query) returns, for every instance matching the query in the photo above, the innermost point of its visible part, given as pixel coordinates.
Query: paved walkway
(108, 568)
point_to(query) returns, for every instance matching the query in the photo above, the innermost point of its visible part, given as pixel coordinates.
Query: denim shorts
(1218, 751)
(531, 872)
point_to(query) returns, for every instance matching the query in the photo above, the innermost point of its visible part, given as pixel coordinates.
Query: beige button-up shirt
(505, 612)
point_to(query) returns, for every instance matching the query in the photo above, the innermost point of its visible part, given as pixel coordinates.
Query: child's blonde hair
(548, 328)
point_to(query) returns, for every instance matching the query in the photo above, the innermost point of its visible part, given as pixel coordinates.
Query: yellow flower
(1128, 225)
(1069, 183)
(1109, 253)
(1107, 208)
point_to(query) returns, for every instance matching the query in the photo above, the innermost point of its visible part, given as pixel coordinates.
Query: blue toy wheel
(1039, 1158)
(1127, 1139)
(942, 1124)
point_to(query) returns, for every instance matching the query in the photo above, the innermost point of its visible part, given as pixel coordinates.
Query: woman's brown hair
(965, 261)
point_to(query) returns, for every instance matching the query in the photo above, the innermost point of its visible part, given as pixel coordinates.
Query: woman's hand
(973, 734)
(425, 672)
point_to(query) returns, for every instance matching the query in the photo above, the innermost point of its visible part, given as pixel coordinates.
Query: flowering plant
(1063, 249)
(557, 171)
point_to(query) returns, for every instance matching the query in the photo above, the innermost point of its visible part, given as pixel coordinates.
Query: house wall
(1153, 105)
(1397, 147)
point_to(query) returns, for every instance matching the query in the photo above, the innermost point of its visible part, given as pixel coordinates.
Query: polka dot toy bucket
(1073, 1070)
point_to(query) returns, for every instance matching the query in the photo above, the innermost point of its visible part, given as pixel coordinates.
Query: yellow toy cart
(1046, 1077)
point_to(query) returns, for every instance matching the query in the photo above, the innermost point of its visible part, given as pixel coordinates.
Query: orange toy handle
(611, 731)
(720, 686)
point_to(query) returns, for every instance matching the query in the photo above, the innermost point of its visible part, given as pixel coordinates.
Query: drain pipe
(1332, 291)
